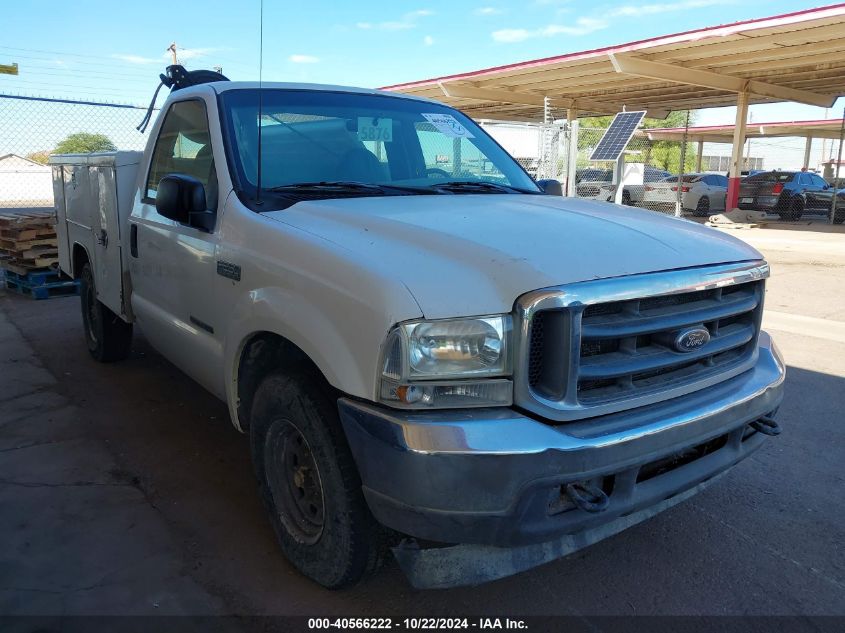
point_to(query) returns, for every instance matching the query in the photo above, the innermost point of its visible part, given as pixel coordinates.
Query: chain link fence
(32, 128)
(548, 151)
(677, 177)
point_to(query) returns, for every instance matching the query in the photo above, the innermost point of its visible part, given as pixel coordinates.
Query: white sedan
(701, 194)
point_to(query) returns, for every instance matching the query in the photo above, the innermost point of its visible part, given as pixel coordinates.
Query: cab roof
(220, 87)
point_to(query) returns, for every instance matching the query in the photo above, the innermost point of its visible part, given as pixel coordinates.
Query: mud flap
(459, 565)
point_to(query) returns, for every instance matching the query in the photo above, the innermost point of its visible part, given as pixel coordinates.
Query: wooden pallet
(43, 284)
(28, 241)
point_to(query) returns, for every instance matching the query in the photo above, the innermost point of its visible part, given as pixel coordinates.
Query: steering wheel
(438, 172)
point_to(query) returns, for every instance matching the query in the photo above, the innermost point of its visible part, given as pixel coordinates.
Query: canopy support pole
(807, 146)
(736, 150)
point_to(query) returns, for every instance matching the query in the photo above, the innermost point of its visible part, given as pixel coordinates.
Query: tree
(84, 143)
(40, 156)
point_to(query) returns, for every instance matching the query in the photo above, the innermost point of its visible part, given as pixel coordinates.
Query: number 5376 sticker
(375, 129)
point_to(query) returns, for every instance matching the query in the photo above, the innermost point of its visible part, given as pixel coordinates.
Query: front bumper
(494, 476)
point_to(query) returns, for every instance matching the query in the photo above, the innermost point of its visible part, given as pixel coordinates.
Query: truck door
(173, 265)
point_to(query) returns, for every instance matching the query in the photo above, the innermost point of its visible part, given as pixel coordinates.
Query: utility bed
(93, 196)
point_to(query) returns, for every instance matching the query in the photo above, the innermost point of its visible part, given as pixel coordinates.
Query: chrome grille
(588, 356)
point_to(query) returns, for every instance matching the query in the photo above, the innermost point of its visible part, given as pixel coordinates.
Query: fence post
(572, 161)
(679, 203)
(836, 170)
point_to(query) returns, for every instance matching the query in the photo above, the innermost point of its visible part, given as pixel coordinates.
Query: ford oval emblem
(692, 339)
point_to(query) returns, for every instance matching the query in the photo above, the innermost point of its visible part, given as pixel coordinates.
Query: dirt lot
(125, 490)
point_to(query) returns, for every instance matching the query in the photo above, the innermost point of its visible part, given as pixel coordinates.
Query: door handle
(133, 240)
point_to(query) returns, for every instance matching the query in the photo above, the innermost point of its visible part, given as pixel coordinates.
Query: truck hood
(464, 255)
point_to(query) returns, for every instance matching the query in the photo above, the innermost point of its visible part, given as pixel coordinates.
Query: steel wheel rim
(294, 482)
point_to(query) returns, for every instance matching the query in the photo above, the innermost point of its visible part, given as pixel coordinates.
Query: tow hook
(766, 426)
(588, 497)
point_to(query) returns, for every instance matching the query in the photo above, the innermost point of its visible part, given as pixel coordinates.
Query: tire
(626, 199)
(702, 208)
(795, 209)
(109, 338)
(309, 483)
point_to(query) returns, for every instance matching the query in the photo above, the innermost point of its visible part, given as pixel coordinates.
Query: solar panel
(617, 136)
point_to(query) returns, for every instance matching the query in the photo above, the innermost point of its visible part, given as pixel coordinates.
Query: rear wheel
(703, 207)
(109, 338)
(794, 210)
(309, 482)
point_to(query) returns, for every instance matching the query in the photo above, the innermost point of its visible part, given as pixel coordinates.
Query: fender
(349, 363)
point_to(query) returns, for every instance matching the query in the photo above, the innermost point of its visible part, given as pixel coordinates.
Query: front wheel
(109, 338)
(309, 483)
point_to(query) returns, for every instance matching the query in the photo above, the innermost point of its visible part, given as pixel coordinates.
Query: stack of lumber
(28, 241)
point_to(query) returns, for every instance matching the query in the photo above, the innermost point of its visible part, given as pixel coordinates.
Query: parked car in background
(598, 184)
(701, 194)
(787, 193)
(595, 183)
(634, 194)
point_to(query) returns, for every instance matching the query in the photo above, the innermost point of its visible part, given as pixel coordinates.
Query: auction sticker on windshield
(375, 129)
(448, 125)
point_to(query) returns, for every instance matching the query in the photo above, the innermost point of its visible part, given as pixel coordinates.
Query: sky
(114, 51)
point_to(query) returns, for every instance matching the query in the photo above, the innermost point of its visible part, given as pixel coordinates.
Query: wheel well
(261, 354)
(80, 258)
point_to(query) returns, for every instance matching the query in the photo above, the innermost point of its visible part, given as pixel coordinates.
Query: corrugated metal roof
(801, 51)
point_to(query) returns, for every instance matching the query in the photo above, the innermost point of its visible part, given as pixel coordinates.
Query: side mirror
(181, 198)
(551, 187)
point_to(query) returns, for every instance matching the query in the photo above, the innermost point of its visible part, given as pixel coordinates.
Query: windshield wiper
(483, 185)
(348, 185)
(327, 184)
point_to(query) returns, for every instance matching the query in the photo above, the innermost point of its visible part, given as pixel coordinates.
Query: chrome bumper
(490, 476)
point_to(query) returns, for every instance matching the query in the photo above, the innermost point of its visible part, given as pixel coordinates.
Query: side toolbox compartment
(94, 197)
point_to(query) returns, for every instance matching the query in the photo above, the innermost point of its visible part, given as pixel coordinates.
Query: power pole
(172, 49)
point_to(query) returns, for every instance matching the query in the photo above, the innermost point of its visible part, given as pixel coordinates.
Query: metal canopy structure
(797, 57)
(809, 130)
(824, 128)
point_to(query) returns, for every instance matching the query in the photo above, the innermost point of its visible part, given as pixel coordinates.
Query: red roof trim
(686, 36)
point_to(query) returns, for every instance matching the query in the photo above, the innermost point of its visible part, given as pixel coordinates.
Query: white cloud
(582, 26)
(137, 59)
(487, 11)
(304, 59)
(407, 21)
(428, 40)
(651, 9)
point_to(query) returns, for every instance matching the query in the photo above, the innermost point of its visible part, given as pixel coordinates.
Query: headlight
(436, 363)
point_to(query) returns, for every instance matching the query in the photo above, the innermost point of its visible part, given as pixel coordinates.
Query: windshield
(770, 176)
(320, 144)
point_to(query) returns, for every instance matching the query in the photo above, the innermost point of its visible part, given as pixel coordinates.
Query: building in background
(24, 183)
(722, 164)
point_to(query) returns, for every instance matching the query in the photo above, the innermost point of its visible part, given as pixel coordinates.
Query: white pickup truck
(427, 349)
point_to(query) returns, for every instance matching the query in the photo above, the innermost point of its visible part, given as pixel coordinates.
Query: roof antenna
(260, 97)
